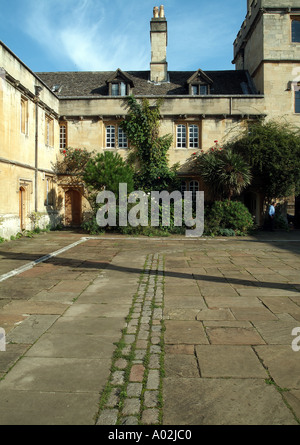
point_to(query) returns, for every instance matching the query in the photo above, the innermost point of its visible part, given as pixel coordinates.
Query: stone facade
(42, 113)
(265, 48)
(28, 109)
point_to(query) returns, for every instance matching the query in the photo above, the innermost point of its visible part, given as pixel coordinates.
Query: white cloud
(93, 35)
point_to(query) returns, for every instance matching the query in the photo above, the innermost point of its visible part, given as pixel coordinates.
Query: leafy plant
(106, 171)
(225, 172)
(227, 218)
(148, 149)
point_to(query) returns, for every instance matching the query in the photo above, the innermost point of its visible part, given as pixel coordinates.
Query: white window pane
(62, 136)
(115, 89)
(123, 89)
(122, 139)
(181, 136)
(110, 136)
(193, 136)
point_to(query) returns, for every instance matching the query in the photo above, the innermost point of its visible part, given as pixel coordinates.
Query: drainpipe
(38, 89)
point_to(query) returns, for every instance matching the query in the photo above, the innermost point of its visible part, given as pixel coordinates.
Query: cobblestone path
(133, 393)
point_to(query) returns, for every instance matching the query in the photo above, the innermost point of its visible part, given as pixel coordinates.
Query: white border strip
(39, 260)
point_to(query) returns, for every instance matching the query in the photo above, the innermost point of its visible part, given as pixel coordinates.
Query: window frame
(63, 135)
(199, 87)
(190, 185)
(122, 89)
(295, 19)
(119, 139)
(110, 139)
(184, 139)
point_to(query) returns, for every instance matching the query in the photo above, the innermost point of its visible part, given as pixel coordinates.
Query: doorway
(73, 208)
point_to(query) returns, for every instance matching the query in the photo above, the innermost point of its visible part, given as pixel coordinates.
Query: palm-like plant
(225, 172)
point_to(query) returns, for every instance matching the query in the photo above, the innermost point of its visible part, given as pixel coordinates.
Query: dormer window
(199, 84)
(119, 84)
(119, 89)
(197, 90)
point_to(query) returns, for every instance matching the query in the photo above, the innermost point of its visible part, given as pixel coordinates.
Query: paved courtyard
(170, 331)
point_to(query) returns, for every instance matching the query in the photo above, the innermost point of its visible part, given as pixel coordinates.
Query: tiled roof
(93, 83)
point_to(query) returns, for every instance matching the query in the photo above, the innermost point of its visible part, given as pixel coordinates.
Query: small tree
(226, 173)
(148, 149)
(106, 171)
(273, 151)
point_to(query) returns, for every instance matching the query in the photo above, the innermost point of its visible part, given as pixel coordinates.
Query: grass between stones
(133, 393)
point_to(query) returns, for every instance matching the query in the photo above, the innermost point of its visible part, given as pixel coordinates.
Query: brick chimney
(159, 41)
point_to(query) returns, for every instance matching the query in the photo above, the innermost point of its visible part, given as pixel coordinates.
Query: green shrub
(227, 218)
(90, 226)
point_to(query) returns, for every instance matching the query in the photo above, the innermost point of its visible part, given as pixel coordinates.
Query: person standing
(272, 216)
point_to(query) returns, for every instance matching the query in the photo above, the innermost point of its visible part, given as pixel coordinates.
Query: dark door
(72, 208)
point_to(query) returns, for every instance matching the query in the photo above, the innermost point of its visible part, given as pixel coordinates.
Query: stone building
(43, 113)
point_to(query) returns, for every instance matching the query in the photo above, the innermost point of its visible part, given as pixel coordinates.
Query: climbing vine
(149, 150)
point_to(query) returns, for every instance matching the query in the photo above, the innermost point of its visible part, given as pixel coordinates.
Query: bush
(227, 218)
(90, 226)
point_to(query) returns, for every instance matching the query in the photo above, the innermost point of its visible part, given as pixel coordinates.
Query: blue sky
(103, 35)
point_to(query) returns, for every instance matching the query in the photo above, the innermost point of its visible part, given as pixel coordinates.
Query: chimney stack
(159, 41)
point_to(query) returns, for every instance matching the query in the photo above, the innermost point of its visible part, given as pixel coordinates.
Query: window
(24, 115)
(199, 90)
(194, 90)
(49, 133)
(296, 29)
(181, 136)
(49, 191)
(63, 135)
(194, 187)
(193, 136)
(115, 137)
(122, 139)
(297, 101)
(110, 136)
(119, 89)
(183, 187)
(191, 186)
(187, 134)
